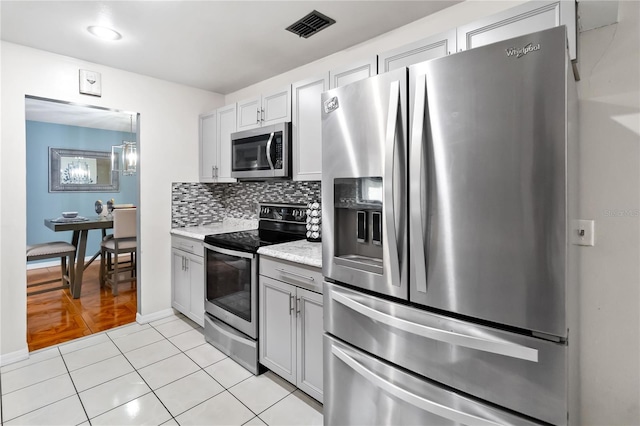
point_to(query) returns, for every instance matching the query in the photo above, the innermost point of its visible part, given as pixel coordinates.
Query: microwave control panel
(278, 163)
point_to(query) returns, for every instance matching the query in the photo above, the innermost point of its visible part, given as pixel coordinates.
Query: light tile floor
(158, 373)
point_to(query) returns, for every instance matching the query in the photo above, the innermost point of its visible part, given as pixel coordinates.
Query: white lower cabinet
(187, 278)
(291, 331)
(309, 332)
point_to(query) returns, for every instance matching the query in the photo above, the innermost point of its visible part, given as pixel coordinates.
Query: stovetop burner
(251, 240)
(279, 223)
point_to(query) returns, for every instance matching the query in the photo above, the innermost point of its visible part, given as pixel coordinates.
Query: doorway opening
(85, 134)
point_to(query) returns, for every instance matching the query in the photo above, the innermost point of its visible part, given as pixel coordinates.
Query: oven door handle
(236, 253)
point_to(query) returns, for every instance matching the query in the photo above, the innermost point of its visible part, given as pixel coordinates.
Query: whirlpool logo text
(519, 53)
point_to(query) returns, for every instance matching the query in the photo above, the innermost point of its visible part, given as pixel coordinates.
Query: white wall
(609, 93)
(168, 153)
(610, 186)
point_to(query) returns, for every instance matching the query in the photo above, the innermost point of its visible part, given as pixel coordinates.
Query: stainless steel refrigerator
(448, 191)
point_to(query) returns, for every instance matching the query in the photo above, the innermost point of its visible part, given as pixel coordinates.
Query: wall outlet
(583, 232)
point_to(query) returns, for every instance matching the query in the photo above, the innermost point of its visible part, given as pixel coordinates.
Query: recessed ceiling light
(104, 33)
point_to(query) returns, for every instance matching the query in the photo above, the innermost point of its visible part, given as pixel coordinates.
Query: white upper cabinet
(307, 127)
(208, 147)
(270, 108)
(225, 125)
(436, 46)
(524, 19)
(249, 113)
(215, 144)
(354, 72)
(276, 107)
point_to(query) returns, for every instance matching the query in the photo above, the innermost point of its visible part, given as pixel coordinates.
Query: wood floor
(55, 317)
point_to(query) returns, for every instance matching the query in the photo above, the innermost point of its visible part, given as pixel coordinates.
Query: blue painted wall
(42, 204)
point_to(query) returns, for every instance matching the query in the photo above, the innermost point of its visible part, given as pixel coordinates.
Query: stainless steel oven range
(231, 280)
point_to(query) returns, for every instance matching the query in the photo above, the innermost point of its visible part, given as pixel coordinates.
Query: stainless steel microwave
(262, 153)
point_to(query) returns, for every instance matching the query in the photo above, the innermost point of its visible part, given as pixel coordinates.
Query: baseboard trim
(16, 356)
(144, 319)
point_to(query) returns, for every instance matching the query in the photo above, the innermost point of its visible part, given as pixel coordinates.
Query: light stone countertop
(301, 251)
(227, 225)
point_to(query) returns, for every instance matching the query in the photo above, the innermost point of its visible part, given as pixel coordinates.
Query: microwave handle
(269, 159)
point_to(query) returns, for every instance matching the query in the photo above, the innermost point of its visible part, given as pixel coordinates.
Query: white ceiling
(221, 46)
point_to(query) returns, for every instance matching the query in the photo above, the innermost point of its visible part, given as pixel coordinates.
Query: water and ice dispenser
(358, 223)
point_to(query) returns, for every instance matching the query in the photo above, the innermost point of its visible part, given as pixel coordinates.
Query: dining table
(80, 228)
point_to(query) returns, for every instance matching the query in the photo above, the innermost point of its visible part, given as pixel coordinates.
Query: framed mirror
(73, 170)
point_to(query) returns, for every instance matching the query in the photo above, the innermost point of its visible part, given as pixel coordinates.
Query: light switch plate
(583, 232)
(90, 83)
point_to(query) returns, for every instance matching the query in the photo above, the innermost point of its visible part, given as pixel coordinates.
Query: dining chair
(55, 249)
(122, 241)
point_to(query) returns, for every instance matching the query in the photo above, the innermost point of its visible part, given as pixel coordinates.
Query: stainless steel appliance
(231, 281)
(262, 153)
(451, 285)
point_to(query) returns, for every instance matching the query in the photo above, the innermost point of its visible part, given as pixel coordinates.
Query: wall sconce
(127, 161)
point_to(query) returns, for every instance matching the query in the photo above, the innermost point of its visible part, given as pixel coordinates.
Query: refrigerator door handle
(417, 230)
(409, 397)
(390, 244)
(496, 346)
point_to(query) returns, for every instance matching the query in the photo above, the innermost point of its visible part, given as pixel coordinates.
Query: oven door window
(229, 283)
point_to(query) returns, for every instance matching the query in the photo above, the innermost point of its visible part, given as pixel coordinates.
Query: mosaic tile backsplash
(194, 204)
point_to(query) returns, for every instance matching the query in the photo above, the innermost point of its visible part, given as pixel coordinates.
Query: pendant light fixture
(128, 158)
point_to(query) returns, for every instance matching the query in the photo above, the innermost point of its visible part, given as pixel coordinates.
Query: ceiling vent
(310, 24)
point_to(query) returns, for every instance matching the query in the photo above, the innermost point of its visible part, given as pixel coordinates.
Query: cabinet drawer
(187, 244)
(293, 273)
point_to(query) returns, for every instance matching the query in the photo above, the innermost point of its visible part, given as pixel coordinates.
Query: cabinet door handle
(284, 271)
(186, 263)
(213, 171)
(257, 116)
(262, 113)
(298, 306)
(290, 304)
(182, 262)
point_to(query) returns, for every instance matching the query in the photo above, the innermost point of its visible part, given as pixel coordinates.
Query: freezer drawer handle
(408, 397)
(486, 345)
